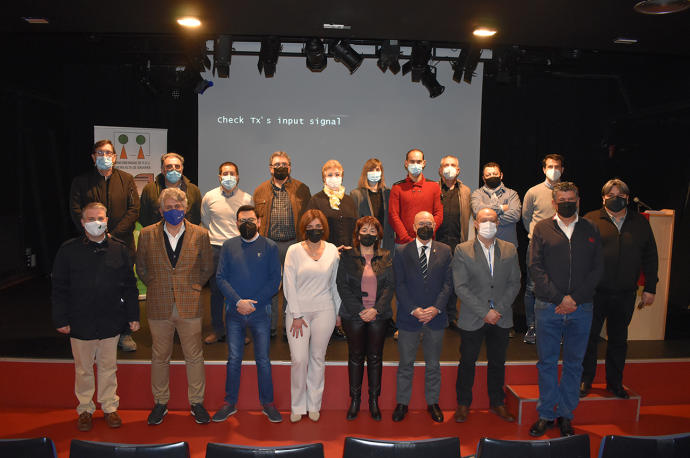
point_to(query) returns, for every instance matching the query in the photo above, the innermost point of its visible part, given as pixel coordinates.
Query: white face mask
(487, 229)
(553, 174)
(96, 228)
(334, 182)
(450, 172)
(374, 176)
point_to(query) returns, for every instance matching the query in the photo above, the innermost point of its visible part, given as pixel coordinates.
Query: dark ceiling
(584, 24)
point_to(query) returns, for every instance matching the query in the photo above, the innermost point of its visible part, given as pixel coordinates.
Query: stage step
(598, 407)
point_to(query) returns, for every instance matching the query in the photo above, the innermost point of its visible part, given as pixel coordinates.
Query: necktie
(422, 263)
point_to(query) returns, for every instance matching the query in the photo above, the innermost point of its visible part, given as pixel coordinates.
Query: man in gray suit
(486, 275)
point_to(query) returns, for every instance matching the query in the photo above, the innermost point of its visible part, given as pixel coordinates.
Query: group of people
(340, 259)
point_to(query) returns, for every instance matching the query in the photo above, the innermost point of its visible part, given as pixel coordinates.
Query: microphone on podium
(641, 204)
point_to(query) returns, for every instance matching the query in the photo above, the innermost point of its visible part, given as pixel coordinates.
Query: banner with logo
(138, 150)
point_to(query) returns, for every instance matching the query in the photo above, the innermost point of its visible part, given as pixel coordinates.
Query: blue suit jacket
(412, 291)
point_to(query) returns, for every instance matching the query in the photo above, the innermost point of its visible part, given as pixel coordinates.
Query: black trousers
(365, 340)
(617, 309)
(496, 346)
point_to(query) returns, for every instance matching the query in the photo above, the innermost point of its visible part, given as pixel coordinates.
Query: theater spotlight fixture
(466, 64)
(316, 55)
(431, 83)
(388, 55)
(344, 54)
(189, 22)
(268, 56)
(421, 53)
(661, 6)
(222, 56)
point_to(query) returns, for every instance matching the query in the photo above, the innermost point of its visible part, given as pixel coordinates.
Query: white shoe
(314, 416)
(295, 417)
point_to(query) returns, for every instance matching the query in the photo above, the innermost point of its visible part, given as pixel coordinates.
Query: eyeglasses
(104, 153)
(247, 220)
(278, 165)
(425, 224)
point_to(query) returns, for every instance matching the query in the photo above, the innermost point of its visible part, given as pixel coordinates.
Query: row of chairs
(673, 446)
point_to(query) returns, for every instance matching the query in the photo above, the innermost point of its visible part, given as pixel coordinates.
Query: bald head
(486, 214)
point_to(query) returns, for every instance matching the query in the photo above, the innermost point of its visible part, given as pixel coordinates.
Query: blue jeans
(529, 293)
(573, 328)
(259, 322)
(217, 299)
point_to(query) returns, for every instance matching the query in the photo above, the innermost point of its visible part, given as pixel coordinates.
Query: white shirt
(419, 249)
(219, 213)
(489, 254)
(173, 239)
(617, 222)
(568, 230)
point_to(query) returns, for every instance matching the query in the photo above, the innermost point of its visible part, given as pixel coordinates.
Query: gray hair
(167, 155)
(173, 193)
(564, 186)
(618, 183)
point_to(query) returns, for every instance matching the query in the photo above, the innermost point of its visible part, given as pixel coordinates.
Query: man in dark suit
(175, 260)
(422, 286)
(486, 274)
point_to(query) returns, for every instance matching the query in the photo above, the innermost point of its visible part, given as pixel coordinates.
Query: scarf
(334, 197)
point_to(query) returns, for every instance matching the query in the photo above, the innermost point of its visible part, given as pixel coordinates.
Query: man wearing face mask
(455, 199)
(486, 275)
(248, 276)
(566, 264)
(536, 206)
(629, 248)
(175, 260)
(171, 176)
(412, 195)
(94, 299)
(423, 283)
(496, 196)
(280, 203)
(218, 215)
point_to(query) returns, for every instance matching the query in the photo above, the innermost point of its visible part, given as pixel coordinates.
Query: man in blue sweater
(248, 275)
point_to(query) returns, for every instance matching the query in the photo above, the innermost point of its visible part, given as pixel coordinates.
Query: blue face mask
(173, 176)
(174, 216)
(415, 169)
(104, 162)
(374, 176)
(228, 181)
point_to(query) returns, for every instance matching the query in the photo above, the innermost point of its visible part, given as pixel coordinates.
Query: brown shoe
(502, 412)
(211, 338)
(461, 413)
(84, 422)
(113, 420)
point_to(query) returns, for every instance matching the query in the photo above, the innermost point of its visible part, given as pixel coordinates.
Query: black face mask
(280, 173)
(616, 204)
(567, 209)
(367, 239)
(247, 230)
(314, 235)
(425, 233)
(492, 182)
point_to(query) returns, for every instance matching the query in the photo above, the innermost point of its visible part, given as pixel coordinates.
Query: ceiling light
(344, 54)
(316, 55)
(189, 21)
(421, 53)
(222, 56)
(268, 56)
(661, 6)
(625, 41)
(484, 32)
(36, 20)
(388, 54)
(431, 83)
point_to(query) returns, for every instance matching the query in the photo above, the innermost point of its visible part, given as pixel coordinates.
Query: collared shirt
(282, 226)
(617, 222)
(427, 251)
(568, 230)
(489, 254)
(173, 239)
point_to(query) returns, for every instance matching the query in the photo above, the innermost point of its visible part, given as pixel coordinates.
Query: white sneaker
(295, 417)
(314, 416)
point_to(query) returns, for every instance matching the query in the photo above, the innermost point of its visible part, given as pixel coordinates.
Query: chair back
(444, 447)
(214, 450)
(562, 447)
(673, 446)
(88, 449)
(38, 447)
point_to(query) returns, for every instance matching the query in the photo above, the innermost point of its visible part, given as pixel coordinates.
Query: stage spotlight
(466, 63)
(431, 83)
(268, 56)
(222, 56)
(388, 54)
(471, 64)
(316, 55)
(421, 53)
(344, 53)
(458, 65)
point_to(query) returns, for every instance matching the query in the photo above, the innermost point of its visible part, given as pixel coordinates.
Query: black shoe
(566, 427)
(435, 412)
(540, 427)
(374, 410)
(156, 416)
(354, 408)
(399, 412)
(200, 414)
(585, 389)
(618, 391)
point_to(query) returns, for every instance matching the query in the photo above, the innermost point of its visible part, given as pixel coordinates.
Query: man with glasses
(116, 190)
(279, 204)
(248, 276)
(171, 176)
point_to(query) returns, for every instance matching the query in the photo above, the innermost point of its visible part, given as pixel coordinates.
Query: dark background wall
(609, 115)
